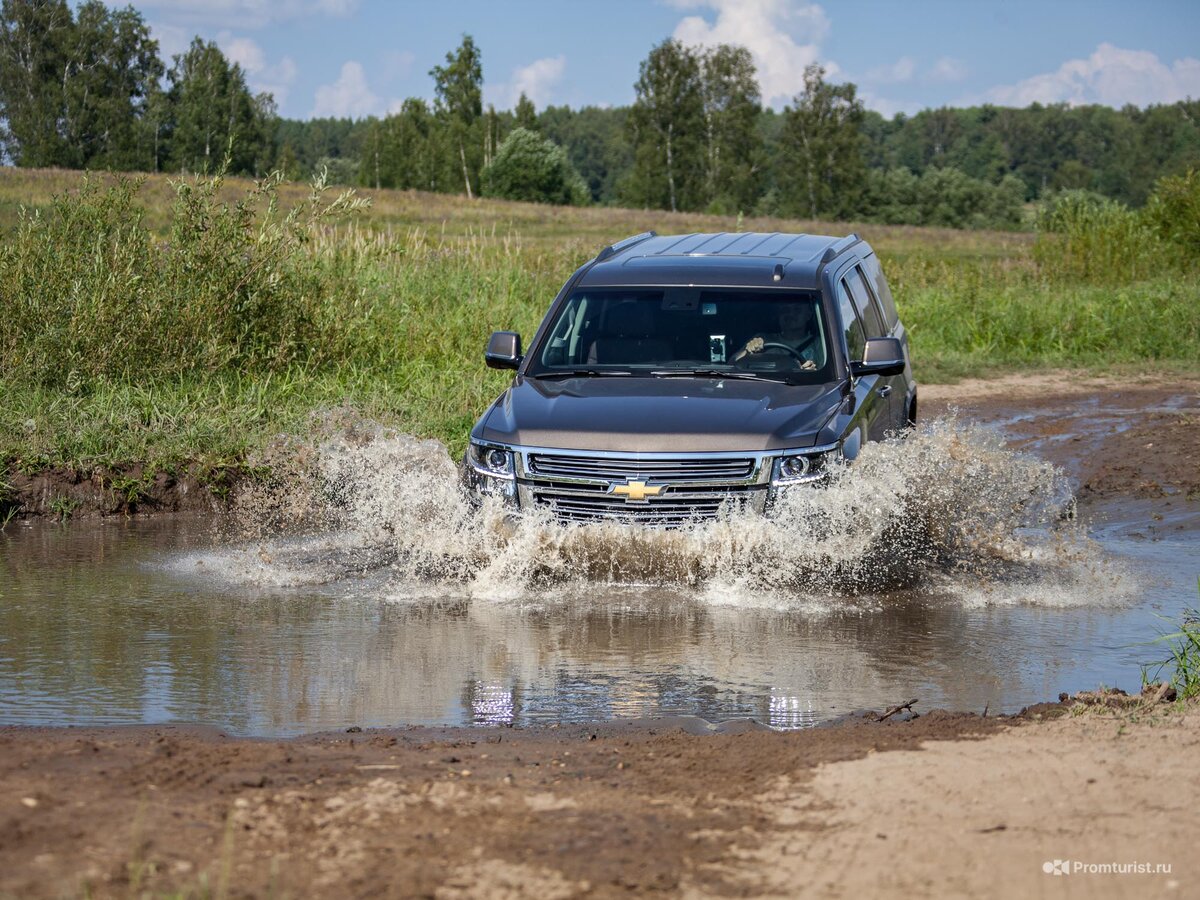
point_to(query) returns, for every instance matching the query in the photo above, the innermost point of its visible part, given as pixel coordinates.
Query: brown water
(396, 613)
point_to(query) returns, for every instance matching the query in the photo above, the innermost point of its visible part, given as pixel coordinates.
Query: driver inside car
(797, 322)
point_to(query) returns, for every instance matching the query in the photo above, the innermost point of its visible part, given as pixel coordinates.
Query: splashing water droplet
(947, 505)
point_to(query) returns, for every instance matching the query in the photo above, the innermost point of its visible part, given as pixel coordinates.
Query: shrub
(1173, 212)
(91, 294)
(1090, 237)
(530, 167)
(943, 197)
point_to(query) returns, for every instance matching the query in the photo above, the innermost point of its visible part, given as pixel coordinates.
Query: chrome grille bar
(633, 468)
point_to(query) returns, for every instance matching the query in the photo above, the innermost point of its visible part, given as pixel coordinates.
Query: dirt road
(940, 806)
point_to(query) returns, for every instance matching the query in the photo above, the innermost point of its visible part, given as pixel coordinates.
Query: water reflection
(93, 629)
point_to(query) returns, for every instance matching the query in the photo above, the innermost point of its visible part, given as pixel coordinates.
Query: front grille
(696, 489)
(660, 471)
(663, 510)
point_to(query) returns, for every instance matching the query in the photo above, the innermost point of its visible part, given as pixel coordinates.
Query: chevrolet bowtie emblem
(636, 490)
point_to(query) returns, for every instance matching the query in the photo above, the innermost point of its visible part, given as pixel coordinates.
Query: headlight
(804, 466)
(495, 462)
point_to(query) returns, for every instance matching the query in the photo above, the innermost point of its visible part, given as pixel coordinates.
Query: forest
(88, 89)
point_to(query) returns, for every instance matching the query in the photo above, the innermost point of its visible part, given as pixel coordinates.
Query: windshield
(668, 331)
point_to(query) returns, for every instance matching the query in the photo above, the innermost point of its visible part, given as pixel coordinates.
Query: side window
(855, 341)
(883, 293)
(865, 304)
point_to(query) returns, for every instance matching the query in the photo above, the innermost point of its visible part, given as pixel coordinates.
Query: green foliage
(666, 126)
(942, 197)
(529, 167)
(92, 295)
(693, 130)
(1173, 212)
(1089, 237)
(525, 113)
(821, 167)
(75, 90)
(458, 86)
(597, 143)
(229, 313)
(213, 117)
(733, 150)
(1182, 665)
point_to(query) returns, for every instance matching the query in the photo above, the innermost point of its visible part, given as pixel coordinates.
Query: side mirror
(881, 356)
(503, 350)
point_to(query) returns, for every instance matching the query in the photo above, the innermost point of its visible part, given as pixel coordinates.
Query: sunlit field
(178, 321)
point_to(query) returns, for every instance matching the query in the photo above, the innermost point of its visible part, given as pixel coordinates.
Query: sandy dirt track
(941, 806)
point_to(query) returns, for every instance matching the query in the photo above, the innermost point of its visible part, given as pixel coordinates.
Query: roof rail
(837, 247)
(614, 249)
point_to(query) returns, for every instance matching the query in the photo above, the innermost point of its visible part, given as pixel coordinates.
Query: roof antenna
(777, 275)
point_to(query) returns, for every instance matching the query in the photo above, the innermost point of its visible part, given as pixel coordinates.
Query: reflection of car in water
(675, 374)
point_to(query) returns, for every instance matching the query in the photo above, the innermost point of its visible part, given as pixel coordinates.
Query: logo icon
(1057, 867)
(635, 491)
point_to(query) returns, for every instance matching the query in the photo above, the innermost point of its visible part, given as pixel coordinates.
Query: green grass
(187, 324)
(1181, 668)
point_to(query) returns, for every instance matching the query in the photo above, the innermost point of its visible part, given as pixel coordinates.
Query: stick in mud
(895, 709)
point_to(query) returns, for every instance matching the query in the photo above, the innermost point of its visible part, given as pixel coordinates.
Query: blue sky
(362, 57)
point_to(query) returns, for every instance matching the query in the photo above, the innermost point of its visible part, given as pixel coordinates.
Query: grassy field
(181, 321)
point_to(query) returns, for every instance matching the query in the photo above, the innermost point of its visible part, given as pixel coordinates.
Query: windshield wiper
(581, 373)
(711, 373)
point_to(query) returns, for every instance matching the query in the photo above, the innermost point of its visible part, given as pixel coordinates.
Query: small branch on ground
(895, 709)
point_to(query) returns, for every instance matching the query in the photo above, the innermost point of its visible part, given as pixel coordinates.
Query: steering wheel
(786, 348)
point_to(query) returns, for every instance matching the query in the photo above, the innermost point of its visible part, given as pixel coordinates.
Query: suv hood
(645, 414)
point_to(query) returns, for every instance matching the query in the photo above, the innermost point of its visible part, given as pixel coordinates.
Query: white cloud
(349, 96)
(250, 13)
(900, 71)
(536, 81)
(783, 36)
(1111, 76)
(948, 69)
(172, 40)
(275, 79)
(243, 51)
(885, 106)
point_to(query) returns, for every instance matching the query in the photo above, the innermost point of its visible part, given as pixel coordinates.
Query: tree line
(88, 89)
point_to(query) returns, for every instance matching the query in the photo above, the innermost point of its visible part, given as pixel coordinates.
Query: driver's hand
(754, 345)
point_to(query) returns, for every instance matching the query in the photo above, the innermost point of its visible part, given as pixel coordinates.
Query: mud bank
(1114, 437)
(940, 805)
(64, 492)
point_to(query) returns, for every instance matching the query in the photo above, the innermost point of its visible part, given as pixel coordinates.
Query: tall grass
(191, 327)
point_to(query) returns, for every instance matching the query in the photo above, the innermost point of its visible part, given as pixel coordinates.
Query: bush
(1173, 212)
(1090, 237)
(532, 168)
(945, 197)
(90, 294)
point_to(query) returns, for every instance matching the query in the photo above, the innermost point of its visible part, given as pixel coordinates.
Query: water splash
(948, 506)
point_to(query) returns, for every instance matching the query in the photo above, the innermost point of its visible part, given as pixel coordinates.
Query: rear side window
(864, 304)
(855, 340)
(883, 293)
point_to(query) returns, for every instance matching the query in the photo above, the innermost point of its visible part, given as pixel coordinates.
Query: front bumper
(654, 489)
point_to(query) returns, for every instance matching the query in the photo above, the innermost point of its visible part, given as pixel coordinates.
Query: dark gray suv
(675, 376)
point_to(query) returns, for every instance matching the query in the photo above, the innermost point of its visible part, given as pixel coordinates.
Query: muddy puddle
(360, 590)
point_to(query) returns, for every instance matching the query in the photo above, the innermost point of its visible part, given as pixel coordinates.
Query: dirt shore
(942, 805)
(1130, 437)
